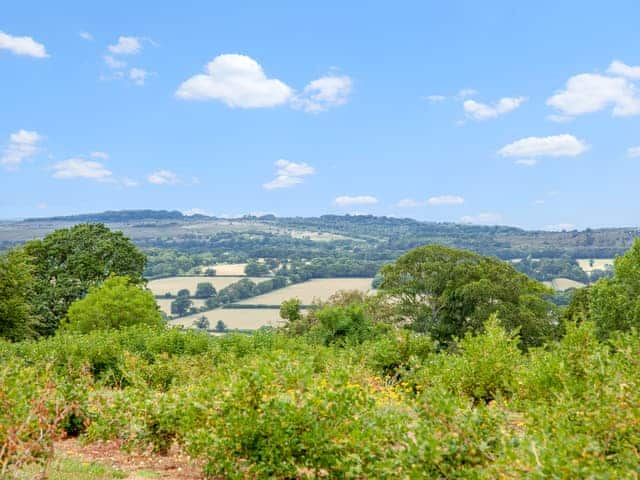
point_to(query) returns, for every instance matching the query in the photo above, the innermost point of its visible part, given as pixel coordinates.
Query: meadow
(307, 292)
(589, 265)
(234, 269)
(234, 318)
(172, 285)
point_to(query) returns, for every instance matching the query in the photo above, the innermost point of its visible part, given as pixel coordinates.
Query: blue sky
(483, 112)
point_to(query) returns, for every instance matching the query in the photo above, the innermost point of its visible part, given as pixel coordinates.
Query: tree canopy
(69, 261)
(447, 292)
(118, 302)
(17, 318)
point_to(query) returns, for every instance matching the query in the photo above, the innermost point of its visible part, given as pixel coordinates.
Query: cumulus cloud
(86, 36)
(465, 93)
(81, 168)
(22, 145)
(323, 93)
(481, 111)
(346, 200)
(163, 177)
(22, 46)
(238, 81)
(633, 152)
(482, 218)
(622, 69)
(553, 146)
(100, 155)
(588, 92)
(289, 174)
(138, 75)
(445, 200)
(126, 46)
(435, 98)
(114, 63)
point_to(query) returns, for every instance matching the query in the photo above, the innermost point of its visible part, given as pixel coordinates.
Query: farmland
(234, 318)
(562, 284)
(236, 269)
(172, 285)
(307, 292)
(589, 264)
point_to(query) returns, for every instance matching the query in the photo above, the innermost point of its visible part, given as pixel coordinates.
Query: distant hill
(115, 216)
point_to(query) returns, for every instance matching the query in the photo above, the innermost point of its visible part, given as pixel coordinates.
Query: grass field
(306, 292)
(227, 269)
(598, 264)
(173, 284)
(165, 304)
(235, 318)
(562, 284)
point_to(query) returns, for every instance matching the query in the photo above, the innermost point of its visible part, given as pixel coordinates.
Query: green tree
(202, 323)
(184, 292)
(290, 310)
(256, 269)
(614, 303)
(69, 261)
(205, 290)
(117, 303)
(221, 327)
(181, 305)
(17, 318)
(447, 292)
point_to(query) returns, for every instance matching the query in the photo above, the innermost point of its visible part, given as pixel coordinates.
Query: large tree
(447, 292)
(69, 261)
(17, 318)
(116, 303)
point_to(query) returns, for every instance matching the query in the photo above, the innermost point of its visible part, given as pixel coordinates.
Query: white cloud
(560, 227)
(22, 46)
(100, 155)
(526, 162)
(163, 177)
(587, 92)
(633, 152)
(237, 81)
(553, 146)
(86, 36)
(619, 68)
(289, 174)
(129, 182)
(346, 200)
(408, 203)
(465, 93)
(22, 145)
(482, 218)
(323, 93)
(126, 46)
(114, 63)
(435, 98)
(80, 168)
(195, 211)
(445, 200)
(138, 75)
(481, 111)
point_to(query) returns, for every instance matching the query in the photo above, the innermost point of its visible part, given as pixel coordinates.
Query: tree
(205, 290)
(183, 292)
(447, 292)
(256, 269)
(17, 318)
(181, 305)
(614, 303)
(220, 327)
(202, 323)
(210, 272)
(290, 310)
(69, 261)
(119, 302)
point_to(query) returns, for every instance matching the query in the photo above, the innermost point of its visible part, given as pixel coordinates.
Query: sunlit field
(234, 318)
(172, 285)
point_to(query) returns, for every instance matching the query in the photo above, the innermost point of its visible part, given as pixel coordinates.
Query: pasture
(172, 285)
(236, 269)
(307, 292)
(589, 264)
(234, 318)
(562, 284)
(165, 304)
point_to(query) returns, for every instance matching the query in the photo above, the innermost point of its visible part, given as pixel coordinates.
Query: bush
(115, 304)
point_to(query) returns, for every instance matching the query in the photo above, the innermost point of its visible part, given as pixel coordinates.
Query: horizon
(456, 113)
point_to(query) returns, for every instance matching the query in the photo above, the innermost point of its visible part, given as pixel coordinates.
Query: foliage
(290, 310)
(69, 261)
(205, 290)
(447, 292)
(256, 269)
(115, 304)
(17, 318)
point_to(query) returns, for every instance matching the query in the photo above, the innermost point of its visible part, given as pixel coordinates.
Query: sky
(462, 111)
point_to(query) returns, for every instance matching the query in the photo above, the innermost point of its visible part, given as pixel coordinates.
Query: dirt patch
(137, 465)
